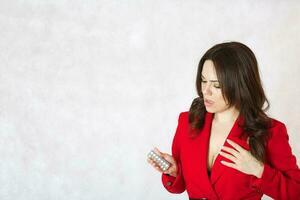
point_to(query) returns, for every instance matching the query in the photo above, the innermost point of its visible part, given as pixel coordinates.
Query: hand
(172, 169)
(242, 160)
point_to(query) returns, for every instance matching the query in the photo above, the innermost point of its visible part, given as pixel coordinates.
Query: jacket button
(169, 183)
(258, 190)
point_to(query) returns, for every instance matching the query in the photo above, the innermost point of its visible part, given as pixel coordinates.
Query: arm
(175, 184)
(281, 176)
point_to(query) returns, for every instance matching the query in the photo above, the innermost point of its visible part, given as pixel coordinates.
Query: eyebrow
(210, 80)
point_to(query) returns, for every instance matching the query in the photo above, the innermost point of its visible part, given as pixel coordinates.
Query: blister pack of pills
(163, 164)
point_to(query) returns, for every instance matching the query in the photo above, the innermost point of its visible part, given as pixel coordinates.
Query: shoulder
(277, 146)
(183, 119)
(183, 115)
(277, 129)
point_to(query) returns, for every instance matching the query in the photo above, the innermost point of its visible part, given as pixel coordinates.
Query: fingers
(166, 156)
(228, 164)
(236, 146)
(229, 156)
(231, 150)
(156, 166)
(156, 150)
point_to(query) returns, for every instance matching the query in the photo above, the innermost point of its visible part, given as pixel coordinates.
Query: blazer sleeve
(281, 176)
(175, 184)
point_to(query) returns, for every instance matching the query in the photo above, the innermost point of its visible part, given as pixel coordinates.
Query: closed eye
(216, 86)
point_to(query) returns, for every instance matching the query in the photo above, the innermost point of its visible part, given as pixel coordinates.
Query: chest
(217, 138)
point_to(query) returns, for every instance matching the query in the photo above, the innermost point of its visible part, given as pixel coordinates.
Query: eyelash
(218, 87)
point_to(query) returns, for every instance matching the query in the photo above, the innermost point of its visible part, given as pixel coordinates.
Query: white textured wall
(89, 87)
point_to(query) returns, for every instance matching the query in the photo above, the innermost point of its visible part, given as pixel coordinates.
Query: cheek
(220, 100)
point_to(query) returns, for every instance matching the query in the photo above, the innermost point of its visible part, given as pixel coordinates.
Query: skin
(242, 159)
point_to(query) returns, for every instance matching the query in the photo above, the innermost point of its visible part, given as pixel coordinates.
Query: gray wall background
(89, 87)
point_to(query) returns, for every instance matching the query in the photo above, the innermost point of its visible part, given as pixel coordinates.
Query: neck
(227, 116)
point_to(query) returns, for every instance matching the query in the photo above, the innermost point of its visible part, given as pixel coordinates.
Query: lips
(208, 101)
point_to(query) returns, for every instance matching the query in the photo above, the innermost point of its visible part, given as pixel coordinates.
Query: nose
(206, 88)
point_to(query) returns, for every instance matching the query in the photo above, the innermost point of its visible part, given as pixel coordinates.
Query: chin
(210, 110)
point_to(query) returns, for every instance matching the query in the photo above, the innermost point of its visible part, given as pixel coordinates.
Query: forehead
(208, 70)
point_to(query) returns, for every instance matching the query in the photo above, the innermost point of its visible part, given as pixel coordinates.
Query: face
(213, 99)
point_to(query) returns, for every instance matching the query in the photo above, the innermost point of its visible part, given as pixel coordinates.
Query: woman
(225, 146)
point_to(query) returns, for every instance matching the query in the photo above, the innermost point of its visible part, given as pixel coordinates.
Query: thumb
(163, 155)
(156, 150)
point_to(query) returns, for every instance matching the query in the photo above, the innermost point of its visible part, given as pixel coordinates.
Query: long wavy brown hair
(237, 71)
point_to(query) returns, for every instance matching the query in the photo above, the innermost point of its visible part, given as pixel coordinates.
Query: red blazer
(280, 178)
